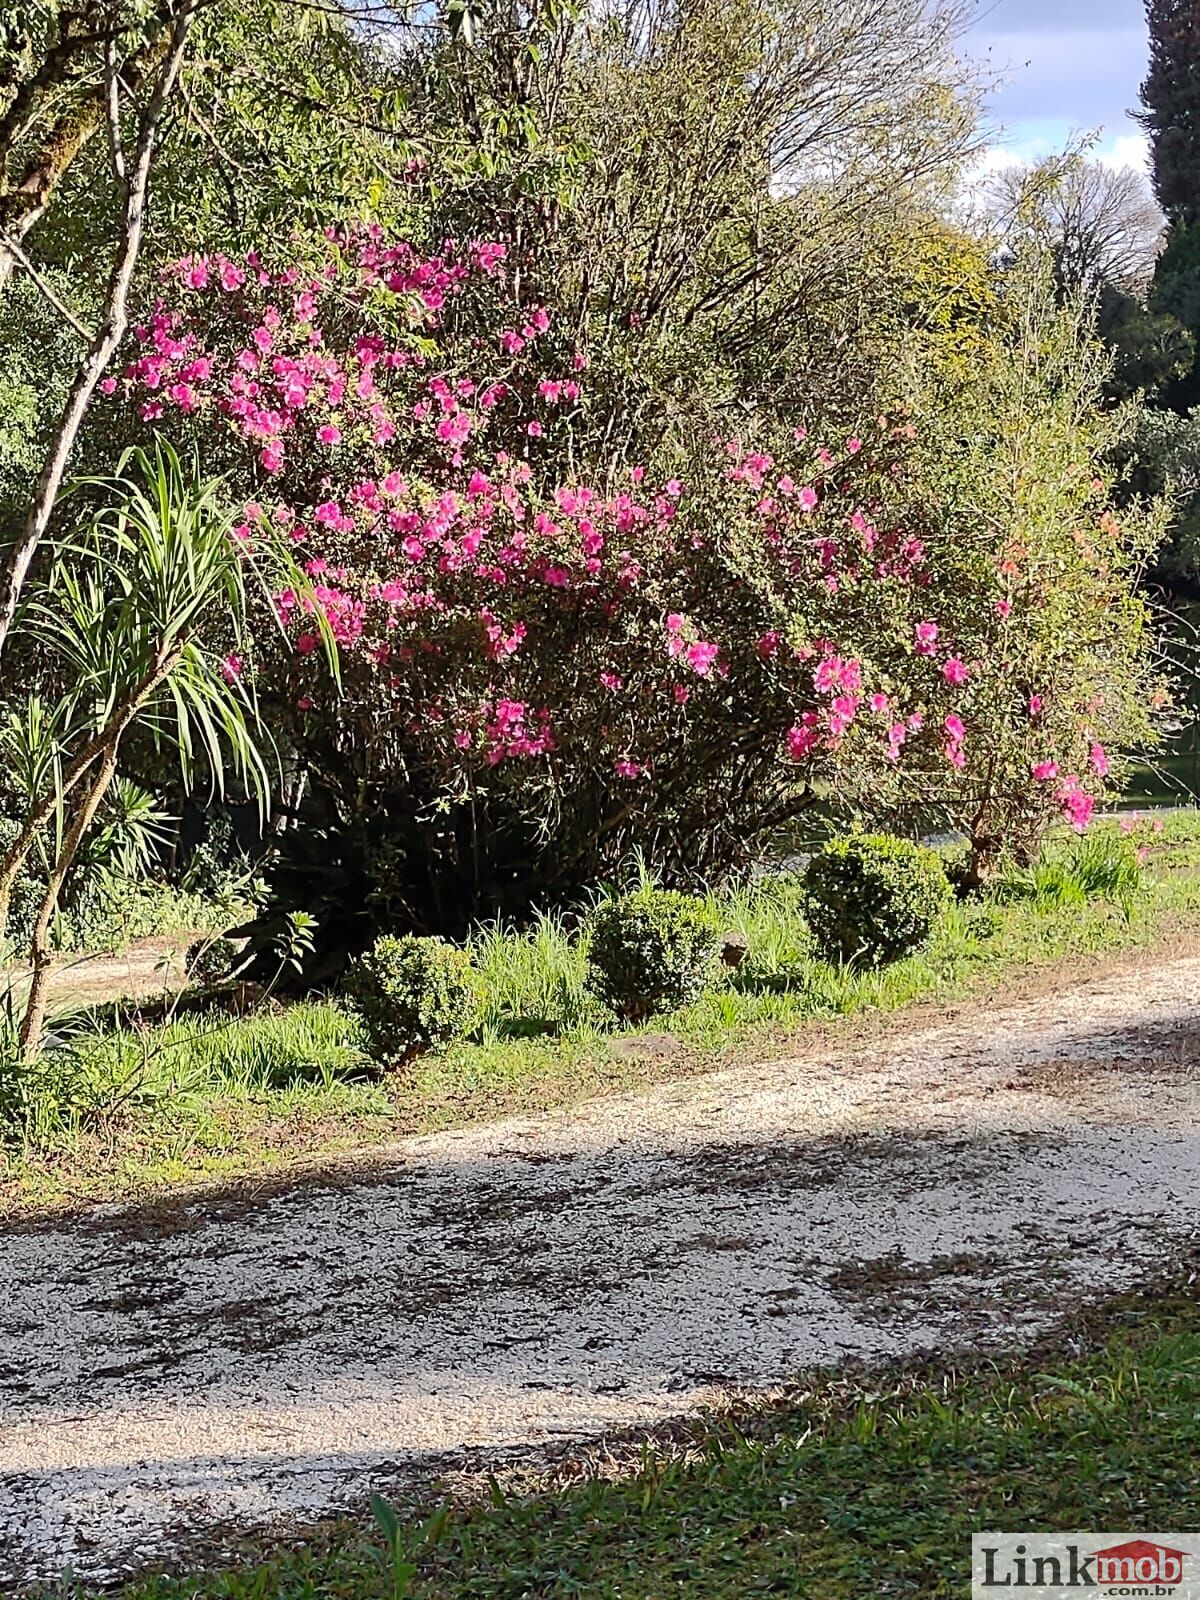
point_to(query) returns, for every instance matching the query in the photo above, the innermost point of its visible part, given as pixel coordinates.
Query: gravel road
(264, 1357)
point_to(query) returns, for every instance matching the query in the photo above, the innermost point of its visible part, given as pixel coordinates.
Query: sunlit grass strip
(138, 1109)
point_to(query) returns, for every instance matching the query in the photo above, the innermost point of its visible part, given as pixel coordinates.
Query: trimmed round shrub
(871, 898)
(652, 951)
(413, 994)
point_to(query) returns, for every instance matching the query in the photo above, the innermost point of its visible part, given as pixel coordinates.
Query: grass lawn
(143, 1110)
(850, 1488)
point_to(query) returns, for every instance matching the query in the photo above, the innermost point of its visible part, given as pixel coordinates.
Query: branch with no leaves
(112, 107)
(12, 248)
(105, 342)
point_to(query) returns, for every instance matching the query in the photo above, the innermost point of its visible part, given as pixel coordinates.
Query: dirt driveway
(264, 1358)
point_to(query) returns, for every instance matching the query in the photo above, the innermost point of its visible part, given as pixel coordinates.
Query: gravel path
(263, 1357)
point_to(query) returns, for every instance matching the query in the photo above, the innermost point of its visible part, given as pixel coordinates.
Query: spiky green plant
(142, 616)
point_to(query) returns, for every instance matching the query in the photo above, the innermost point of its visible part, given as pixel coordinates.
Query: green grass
(143, 1110)
(853, 1488)
(107, 1076)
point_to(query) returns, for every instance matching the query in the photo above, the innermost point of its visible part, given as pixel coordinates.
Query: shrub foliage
(413, 994)
(872, 898)
(550, 658)
(652, 951)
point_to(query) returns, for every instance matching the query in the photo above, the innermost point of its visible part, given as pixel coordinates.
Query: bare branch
(108, 337)
(112, 101)
(12, 248)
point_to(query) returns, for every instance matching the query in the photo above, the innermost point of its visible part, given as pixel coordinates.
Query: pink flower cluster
(399, 417)
(512, 729)
(1077, 803)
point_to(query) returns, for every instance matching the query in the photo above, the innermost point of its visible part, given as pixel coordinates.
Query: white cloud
(1127, 150)
(996, 158)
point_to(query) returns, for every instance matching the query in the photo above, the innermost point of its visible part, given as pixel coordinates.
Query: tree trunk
(23, 206)
(114, 728)
(43, 957)
(112, 330)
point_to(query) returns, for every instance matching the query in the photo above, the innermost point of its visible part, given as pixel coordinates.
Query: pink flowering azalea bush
(544, 663)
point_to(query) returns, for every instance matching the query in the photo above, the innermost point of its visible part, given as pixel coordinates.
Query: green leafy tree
(1171, 98)
(1152, 350)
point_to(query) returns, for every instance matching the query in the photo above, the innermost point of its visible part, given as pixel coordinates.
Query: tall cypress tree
(1171, 97)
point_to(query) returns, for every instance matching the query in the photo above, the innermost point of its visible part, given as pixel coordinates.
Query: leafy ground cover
(852, 1485)
(144, 1108)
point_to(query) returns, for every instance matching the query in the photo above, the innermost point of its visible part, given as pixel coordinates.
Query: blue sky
(1070, 66)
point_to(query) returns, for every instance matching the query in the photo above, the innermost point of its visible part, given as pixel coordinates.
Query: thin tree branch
(111, 332)
(112, 101)
(14, 250)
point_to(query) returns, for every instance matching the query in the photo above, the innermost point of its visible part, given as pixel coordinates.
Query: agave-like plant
(142, 610)
(133, 833)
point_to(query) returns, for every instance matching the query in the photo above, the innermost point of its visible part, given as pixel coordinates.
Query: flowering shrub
(542, 667)
(652, 951)
(873, 899)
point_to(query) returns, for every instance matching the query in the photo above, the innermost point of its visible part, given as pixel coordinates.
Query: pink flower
(231, 667)
(682, 694)
(804, 738)
(534, 430)
(807, 498)
(767, 646)
(853, 446)
(955, 671)
(954, 727)
(627, 768)
(842, 712)
(926, 638)
(1044, 771)
(329, 434)
(1004, 608)
(701, 657)
(837, 672)
(1035, 704)
(1100, 762)
(488, 256)
(1076, 802)
(879, 704)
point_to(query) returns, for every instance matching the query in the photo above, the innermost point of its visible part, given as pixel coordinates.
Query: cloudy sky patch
(1067, 67)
